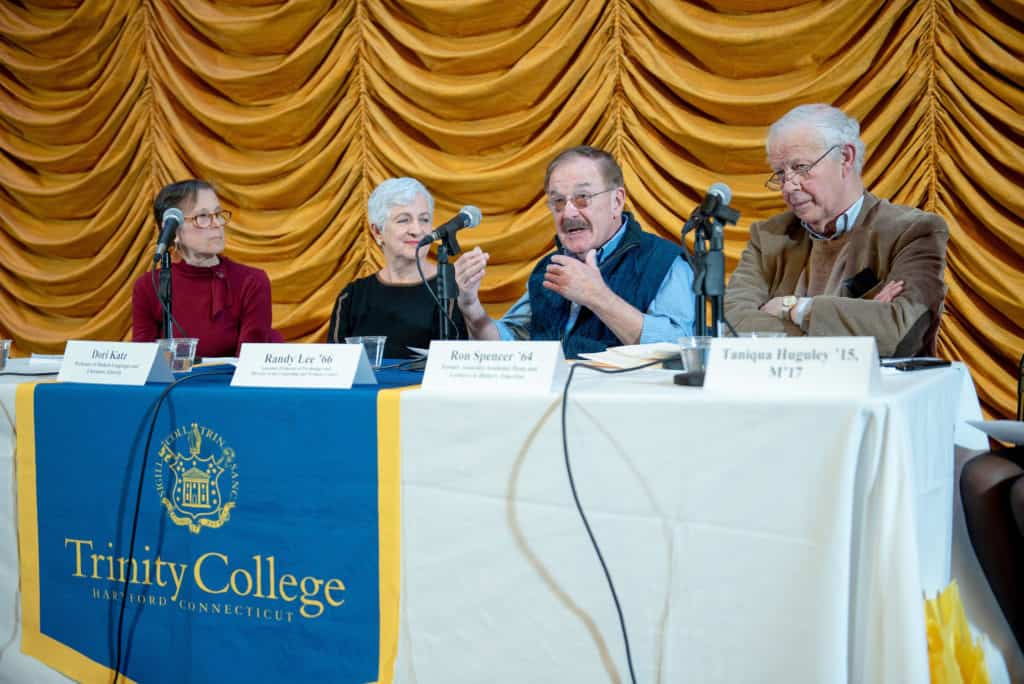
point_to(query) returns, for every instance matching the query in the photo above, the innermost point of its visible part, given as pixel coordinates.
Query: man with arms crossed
(841, 261)
(608, 283)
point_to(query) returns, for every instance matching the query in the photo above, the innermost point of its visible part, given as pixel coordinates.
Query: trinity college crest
(198, 485)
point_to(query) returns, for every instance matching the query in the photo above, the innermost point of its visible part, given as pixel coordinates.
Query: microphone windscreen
(173, 213)
(723, 191)
(473, 213)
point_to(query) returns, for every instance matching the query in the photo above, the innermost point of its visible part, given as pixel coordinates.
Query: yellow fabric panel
(389, 513)
(295, 111)
(954, 655)
(34, 642)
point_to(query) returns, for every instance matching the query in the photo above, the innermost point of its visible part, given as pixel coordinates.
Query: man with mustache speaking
(608, 283)
(841, 261)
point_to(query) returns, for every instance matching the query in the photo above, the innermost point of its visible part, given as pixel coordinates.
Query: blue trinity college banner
(267, 532)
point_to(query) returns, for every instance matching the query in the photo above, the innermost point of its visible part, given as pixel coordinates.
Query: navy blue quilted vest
(634, 271)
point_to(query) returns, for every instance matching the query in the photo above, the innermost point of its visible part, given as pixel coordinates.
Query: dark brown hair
(176, 195)
(610, 169)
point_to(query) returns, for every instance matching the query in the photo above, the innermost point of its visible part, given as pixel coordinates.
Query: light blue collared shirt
(669, 316)
(844, 222)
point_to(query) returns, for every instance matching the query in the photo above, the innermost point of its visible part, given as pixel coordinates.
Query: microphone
(715, 205)
(467, 217)
(715, 202)
(719, 195)
(173, 218)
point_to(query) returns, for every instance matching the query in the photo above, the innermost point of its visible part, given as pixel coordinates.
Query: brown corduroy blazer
(888, 242)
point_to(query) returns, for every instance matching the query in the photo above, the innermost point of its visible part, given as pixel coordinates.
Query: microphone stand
(710, 288)
(708, 262)
(700, 250)
(164, 293)
(447, 289)
(709, 221)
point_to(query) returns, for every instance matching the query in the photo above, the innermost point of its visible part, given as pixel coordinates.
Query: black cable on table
(138, 503)
(579, 507)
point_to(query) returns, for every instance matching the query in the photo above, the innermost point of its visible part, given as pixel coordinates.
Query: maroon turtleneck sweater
(222, 305)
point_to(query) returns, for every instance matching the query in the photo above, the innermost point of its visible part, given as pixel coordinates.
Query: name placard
(480, 366)
(318, 366)
(113, 363)
(794, 366)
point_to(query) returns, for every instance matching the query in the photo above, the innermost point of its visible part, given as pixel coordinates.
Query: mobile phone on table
(915, 364)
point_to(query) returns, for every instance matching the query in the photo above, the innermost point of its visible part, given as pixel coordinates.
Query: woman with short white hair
(394, 301)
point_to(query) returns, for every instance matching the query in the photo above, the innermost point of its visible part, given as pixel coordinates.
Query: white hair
(394, 192)
(834, 127)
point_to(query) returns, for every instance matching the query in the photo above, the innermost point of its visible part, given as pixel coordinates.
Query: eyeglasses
(798, 171)
(207, 220)
(580, 200)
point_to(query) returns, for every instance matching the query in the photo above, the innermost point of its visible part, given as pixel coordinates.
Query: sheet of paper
(24, 367)
(1011, 431)
(46, 363)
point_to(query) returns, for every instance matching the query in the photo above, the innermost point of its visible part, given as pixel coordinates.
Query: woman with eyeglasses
(219, 301)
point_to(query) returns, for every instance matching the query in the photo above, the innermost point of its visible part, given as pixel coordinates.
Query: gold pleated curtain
(296, 110)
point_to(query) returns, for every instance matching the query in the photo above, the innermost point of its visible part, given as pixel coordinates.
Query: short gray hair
(834, 127)
(394, 192)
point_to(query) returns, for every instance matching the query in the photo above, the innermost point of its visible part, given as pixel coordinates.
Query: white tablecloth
(500, 585)
(749, 540)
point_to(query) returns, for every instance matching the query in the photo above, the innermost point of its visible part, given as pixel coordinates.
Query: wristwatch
(788, 302)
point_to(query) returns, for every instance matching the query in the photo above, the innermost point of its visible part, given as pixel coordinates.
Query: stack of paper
(631, 355)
